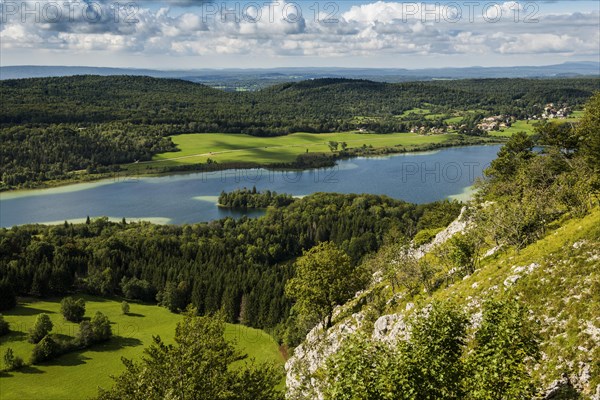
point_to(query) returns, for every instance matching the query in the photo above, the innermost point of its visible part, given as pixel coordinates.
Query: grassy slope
(197, 148)
(562, 290)
(77, 375)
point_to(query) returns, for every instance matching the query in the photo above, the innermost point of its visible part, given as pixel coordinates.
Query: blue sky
(182, 34)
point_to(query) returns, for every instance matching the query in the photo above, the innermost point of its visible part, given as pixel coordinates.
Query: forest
(238, 266)
(50, 127)
(245, 198)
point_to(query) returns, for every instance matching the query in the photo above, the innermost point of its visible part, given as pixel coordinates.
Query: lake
(189, 198)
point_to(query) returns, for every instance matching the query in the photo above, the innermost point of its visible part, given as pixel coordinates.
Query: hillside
(504, 303)
(320, 105)
(557, 277)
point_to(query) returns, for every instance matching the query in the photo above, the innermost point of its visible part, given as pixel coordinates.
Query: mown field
(77, 375)
(197, 148)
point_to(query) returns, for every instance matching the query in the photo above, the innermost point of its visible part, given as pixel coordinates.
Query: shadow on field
(28, 369)
(14, 336)
(131, 314)
(24, 311)
(69, 359)
(116, 343)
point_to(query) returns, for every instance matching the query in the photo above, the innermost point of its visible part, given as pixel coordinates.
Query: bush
(73, 310)
(45, 350)
(11, 362)
(85, 336)
(43, 326)
(125, 307)
(4, 326)
(506, 348)
(50, 347)
(101, 327)
(426, 236)
(94, 331)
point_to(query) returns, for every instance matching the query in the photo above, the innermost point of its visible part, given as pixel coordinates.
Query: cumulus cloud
(281, 29)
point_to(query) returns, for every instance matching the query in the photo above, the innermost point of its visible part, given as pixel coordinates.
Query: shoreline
(324, 160)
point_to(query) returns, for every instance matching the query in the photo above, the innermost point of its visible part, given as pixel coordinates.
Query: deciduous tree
(73, 310)
(43, 326)
(325, 278)
(197, 366)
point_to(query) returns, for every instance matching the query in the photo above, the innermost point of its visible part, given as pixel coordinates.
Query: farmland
(223, 148)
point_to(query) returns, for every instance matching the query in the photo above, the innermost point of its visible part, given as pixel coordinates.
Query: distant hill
(250, 79)
(318, 105)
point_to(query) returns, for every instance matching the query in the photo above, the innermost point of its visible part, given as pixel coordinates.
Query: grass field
(454, 120)
(519, 126)
(529, 126)
(418, 111)
(223, 148)
(78, 375)
(575, 116)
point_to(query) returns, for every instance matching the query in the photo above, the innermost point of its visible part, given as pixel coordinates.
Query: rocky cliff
(558, 278)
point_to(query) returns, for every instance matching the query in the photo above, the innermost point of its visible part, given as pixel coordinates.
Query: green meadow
(529, 126)
(417, 111)
(77, 375)
(519, 126)
(231, 148)
(223, 148)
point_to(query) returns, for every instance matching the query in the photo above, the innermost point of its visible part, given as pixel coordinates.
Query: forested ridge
(51, 127)
(321, 105)
(240, 266)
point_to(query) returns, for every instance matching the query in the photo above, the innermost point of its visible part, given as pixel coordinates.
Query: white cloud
(367, 30)
(548, 43)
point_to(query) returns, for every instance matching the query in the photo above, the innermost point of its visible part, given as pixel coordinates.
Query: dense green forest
(321, 105)
(220, 265)
(52, 126)
(246, 198)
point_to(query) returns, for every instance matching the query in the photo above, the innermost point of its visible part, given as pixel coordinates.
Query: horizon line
(303, 67)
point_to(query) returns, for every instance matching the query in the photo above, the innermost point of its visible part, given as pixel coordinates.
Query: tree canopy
(200, 365)
(325, 278)
(214, 266)
(73, 310)
(437, 361)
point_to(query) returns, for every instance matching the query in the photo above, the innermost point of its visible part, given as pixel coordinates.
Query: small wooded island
(245, 199)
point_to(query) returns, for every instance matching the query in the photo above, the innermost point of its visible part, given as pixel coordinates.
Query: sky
(189, 34)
